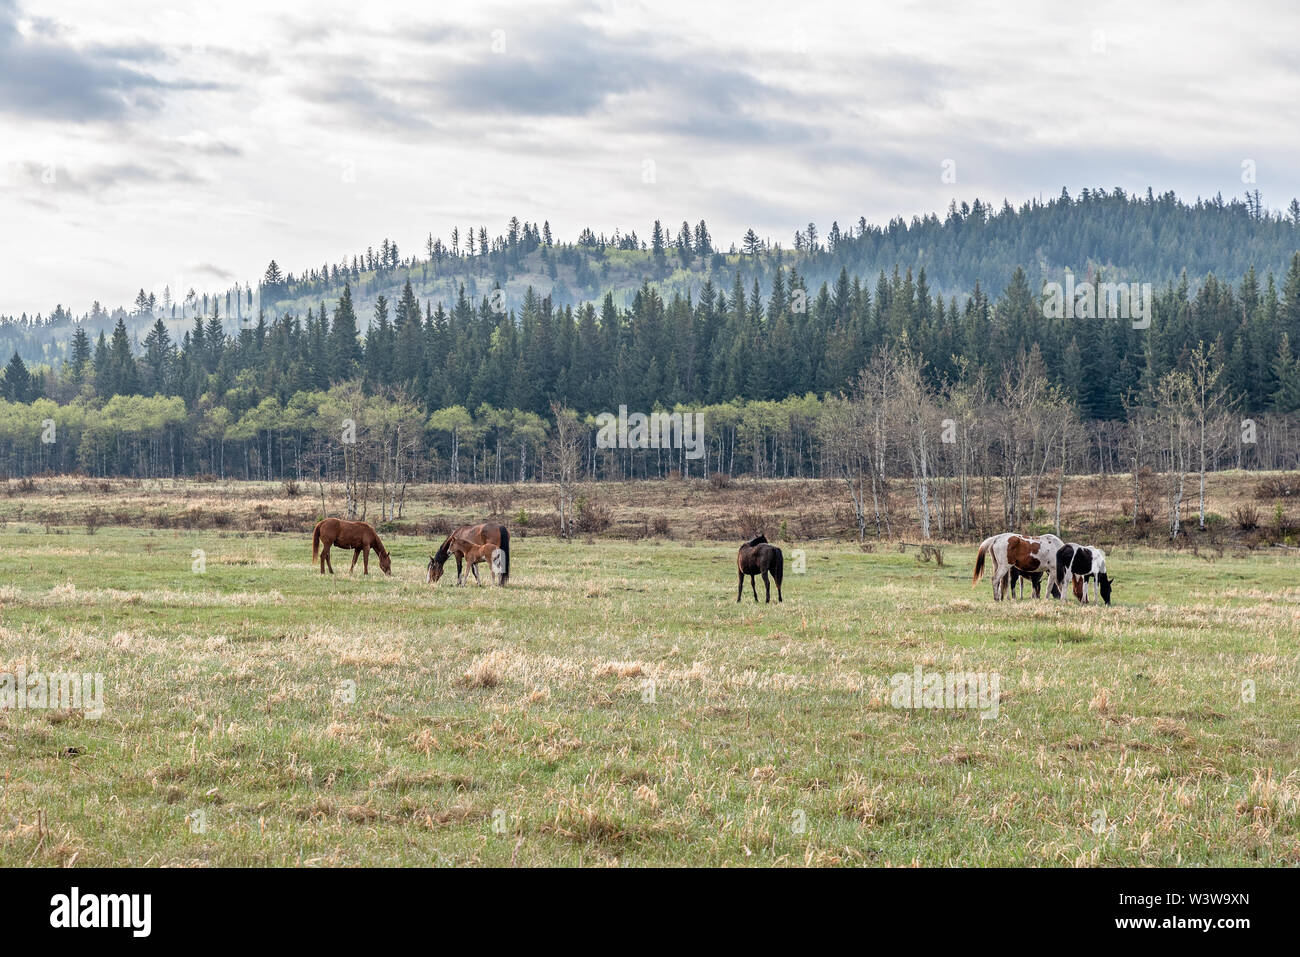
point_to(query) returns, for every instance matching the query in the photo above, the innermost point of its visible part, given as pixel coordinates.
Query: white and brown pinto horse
(1077, 565)
(1028, 555)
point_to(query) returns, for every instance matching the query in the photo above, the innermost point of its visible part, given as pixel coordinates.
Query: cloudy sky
(150, 143)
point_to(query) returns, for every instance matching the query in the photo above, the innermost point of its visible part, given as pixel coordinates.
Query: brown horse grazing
(358, 536)
(495, 558)
(460, 541)
(757, 557)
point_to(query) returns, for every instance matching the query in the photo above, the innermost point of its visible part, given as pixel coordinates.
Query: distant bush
(590, 515)
(1246, 517)
(1276, 486)
(1283, 525)
(752, 522)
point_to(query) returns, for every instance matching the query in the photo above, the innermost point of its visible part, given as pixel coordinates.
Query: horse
(358, 536)
(756, 557)
(1025, 553)
(495, 557)
(1081, 563)
(465, 538)
(1035, 579)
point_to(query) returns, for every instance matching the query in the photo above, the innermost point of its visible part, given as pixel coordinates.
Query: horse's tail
(1064, 558)
(315, 541)
(778, 565)
(505, 548)
(979, 562)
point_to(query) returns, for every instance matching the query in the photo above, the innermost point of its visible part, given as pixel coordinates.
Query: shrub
(719, 480)
(1246, 517)
(660, 526)
(1276, 486)
(590, 515)
(1283, 525)
(499, 501)
(751, 522)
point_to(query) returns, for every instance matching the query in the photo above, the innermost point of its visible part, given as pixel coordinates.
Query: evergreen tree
(344, 349)
(123, 377)
(16, 384)
(157, 359)
(80, 356)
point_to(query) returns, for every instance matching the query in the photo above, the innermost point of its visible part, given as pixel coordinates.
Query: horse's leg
(740, 583)
(460, 575)
(356, 553)
(329, 561)
(324, 551)
(767, 588)
(365, 560)
(754, 585)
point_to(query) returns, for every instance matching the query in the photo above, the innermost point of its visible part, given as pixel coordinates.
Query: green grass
(223, 695)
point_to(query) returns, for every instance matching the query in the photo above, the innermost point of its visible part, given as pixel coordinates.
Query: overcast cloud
(144, 143)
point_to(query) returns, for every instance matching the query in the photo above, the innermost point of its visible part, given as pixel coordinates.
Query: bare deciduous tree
(565, 447)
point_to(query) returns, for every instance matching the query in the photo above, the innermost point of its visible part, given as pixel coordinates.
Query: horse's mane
(443, 551)
(758, 540)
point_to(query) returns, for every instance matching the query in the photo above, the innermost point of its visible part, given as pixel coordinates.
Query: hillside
(1149, 238)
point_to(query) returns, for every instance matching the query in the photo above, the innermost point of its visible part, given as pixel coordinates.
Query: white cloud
(230, 135)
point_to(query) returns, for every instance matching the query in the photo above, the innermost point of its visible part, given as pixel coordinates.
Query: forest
(354, 370)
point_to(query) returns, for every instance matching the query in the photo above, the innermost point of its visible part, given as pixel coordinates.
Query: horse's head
(434, 570)
(1103, 586)
(386, 563)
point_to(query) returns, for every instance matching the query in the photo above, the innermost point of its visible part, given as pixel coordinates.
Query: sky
(145, 144)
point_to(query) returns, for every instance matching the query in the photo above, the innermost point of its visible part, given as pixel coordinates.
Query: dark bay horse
(358, 536)
(757, 557)
(459, 543)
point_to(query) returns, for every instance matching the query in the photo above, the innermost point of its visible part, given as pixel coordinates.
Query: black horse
(757, 557)
(1035, 579)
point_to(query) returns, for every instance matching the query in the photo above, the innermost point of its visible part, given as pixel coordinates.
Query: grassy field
(614, 705)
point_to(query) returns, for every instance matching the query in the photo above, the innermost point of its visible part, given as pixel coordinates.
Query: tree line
(717, 346)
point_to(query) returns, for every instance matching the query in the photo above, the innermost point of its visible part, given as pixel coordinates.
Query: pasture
(614, 705)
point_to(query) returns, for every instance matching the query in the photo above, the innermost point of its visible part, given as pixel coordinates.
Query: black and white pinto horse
(1077, 565)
